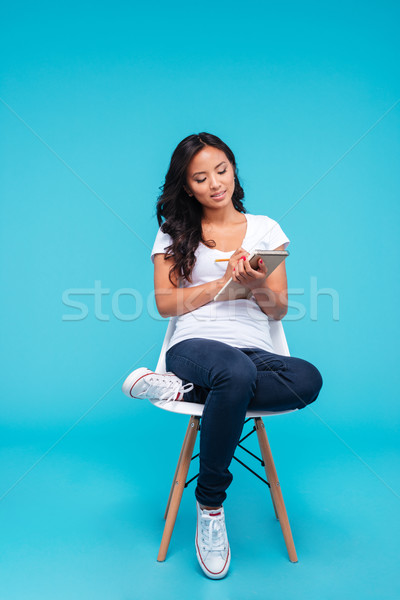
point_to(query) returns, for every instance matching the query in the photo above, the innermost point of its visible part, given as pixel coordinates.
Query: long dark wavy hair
(182, 213)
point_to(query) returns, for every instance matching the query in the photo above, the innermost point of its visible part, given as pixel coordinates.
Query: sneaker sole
(134, 377)
(210, 574)
(132, 380)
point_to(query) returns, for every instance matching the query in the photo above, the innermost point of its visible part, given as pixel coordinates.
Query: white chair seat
(196, 409)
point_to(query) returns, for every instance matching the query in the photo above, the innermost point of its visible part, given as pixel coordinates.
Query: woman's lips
(220, 196)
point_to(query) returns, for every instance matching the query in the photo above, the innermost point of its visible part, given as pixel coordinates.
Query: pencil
(221, 259)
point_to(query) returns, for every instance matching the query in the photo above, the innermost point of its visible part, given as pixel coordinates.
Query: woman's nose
(213, 182)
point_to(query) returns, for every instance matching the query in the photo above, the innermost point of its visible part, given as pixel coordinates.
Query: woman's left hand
(248, 276)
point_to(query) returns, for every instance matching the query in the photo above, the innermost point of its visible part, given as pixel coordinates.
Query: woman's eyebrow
(200, 172)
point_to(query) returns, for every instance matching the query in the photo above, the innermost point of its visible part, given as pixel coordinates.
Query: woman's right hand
(233, 261)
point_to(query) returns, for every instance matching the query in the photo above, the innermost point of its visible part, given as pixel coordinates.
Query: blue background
(94, 98)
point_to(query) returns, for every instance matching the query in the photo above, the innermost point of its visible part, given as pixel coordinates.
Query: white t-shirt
(239, 323)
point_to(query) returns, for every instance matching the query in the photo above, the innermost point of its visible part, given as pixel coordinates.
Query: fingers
(243, 270)
(241, 250)
(245, 267)
(236, 258)
(239, 253)
(262, 268)
(244, 273)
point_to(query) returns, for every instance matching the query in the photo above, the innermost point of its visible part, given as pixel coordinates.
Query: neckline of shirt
(242, 244)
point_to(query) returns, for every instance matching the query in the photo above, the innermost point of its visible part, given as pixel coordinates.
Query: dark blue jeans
(229, 381)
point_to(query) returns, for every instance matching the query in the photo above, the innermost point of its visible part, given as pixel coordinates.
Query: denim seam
(264, 364)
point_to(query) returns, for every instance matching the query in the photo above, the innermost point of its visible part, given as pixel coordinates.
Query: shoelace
(165, 387)
(212, 533)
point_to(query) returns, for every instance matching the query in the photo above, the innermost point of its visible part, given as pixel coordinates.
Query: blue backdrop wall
(94, 98)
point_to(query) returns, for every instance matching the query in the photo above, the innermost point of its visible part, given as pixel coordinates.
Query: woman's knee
(310, 383)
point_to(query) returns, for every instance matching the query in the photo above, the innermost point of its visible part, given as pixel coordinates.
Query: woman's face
(209, 174)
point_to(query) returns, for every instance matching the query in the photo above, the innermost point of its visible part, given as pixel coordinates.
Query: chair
(195, 410)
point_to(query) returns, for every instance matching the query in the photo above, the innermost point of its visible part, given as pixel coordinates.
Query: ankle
(209, 507)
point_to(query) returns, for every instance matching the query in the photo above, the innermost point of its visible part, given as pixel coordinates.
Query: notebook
(233, 290)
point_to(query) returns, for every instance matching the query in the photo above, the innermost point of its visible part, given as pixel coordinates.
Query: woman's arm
(270, 292)
(172, 300)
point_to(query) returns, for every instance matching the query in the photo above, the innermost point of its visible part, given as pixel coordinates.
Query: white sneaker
(143, 383)
(212, 546)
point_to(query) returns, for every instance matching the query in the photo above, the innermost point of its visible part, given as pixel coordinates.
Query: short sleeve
(267, 234)
(276, 236)
(161, 243)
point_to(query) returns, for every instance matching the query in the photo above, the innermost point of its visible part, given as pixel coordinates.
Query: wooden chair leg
(273, 504)
(179, 485)
(275, 488)
(188, 432)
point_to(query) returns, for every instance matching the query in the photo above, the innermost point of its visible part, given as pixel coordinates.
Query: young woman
(222, 351)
